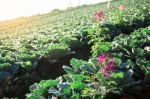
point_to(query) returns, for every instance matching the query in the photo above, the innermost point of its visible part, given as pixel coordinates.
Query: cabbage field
(99, 51)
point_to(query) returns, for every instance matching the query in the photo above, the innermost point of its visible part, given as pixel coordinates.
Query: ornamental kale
(97, 77)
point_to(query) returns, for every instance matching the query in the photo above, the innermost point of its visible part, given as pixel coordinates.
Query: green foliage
(71, 28)
(52, 36)
(56, 51)
(118, 75)
(100, 47)
(132, 47)
(38, 89)
(4, 66)
(77, 85)
(83, 80)
(72, 42)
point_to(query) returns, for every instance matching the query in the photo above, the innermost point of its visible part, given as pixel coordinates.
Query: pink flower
(108, 67)
(99, 15)
(102, 58)
(122, 7)
(105, 73)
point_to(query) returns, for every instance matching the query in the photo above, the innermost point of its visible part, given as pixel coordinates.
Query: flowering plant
(108, 64)
(100, 15)
(122, 7)
(93, 80)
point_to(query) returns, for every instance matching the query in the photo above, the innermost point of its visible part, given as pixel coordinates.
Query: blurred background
(10, 9)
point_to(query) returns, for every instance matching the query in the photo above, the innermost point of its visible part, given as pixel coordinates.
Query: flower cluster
(122, 7)
(100, 15)
(108, 64)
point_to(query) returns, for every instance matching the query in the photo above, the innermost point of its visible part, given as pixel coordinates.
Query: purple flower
(108, 68)
(111, 66)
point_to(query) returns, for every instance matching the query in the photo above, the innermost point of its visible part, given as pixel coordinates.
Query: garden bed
(46, 69)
